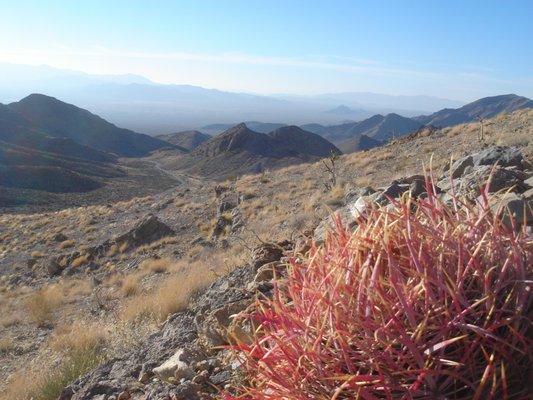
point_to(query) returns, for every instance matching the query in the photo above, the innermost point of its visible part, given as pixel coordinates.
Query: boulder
(225, 205)
(52, 267)
(393, 191)
(329, 223)
(266, 253)
(146, 231)
(176, 367)
(458, 167)
(60, 237)
(513, 205)
(218, 327)
(504, 156)
(528, 183)
(469, 184)
(354, 193)
(270, 271)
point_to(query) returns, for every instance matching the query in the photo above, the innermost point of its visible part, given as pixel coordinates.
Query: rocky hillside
(384, 128)
(58, 119)
(240, 150)
(188, 140)
(256, 126)
(143, 292)
(486, 107)
(49, 148)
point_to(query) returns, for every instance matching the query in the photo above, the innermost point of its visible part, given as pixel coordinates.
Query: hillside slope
(187, 140)
(60, 119)
(112, 300)
(486, 107)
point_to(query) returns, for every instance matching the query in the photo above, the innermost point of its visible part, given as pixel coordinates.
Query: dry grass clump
(187, 277)
(158, 265)
(420, 302)
(123, 247)
(112, 251)
(42, 304)
(37, 254)
(6, 344)
(81, 347)
(130, 285)
(81, 260)
(67, 244)
(172, 296)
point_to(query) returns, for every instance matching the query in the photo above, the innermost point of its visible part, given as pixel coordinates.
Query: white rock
(174, 367)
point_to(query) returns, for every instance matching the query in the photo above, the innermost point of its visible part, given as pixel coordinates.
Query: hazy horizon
(455, 50)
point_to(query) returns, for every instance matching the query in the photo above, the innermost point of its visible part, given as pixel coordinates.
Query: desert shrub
(81, 260)
(170, 297)
(158, 265)
(130, 285)
(42, 304)
(80, 347)
(420, 302)
(67, 244)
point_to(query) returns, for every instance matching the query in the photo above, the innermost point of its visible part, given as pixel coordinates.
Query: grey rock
(393, 191)
(504, 156)
(354, 193)
(470, 184)
(329, 223)
(513, 206)
(458, 167)
(60, 237)
(220, 377)
(225, 205)
(147, 231)
(52, 267)
(266, 253)
(528, 183)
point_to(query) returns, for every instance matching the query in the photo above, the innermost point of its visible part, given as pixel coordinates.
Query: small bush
(81, 260)
(157, 266)
(130, 285)
(67, 244)
(420, 302)
(42, 304)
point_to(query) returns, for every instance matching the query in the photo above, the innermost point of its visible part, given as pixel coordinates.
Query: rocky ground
(159, 276)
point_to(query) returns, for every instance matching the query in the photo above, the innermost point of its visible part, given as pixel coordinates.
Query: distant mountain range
(241, 150)
(139, 104)
(47, 144)
(355, 136)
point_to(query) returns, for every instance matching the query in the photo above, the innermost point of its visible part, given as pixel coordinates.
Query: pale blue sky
(456, 49)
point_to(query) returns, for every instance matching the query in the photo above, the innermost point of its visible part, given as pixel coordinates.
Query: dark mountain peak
(238, 129)
(187, 140)
(59, 119)
(341, 110)
(38, 97)
(374, 118)
(393, 116)
(238, 138)
(298, 140)
(288, 130)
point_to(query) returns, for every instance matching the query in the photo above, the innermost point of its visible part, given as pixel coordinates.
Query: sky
(461, 50)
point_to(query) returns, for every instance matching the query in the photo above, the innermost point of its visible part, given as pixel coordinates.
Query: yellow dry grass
(42, 304)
